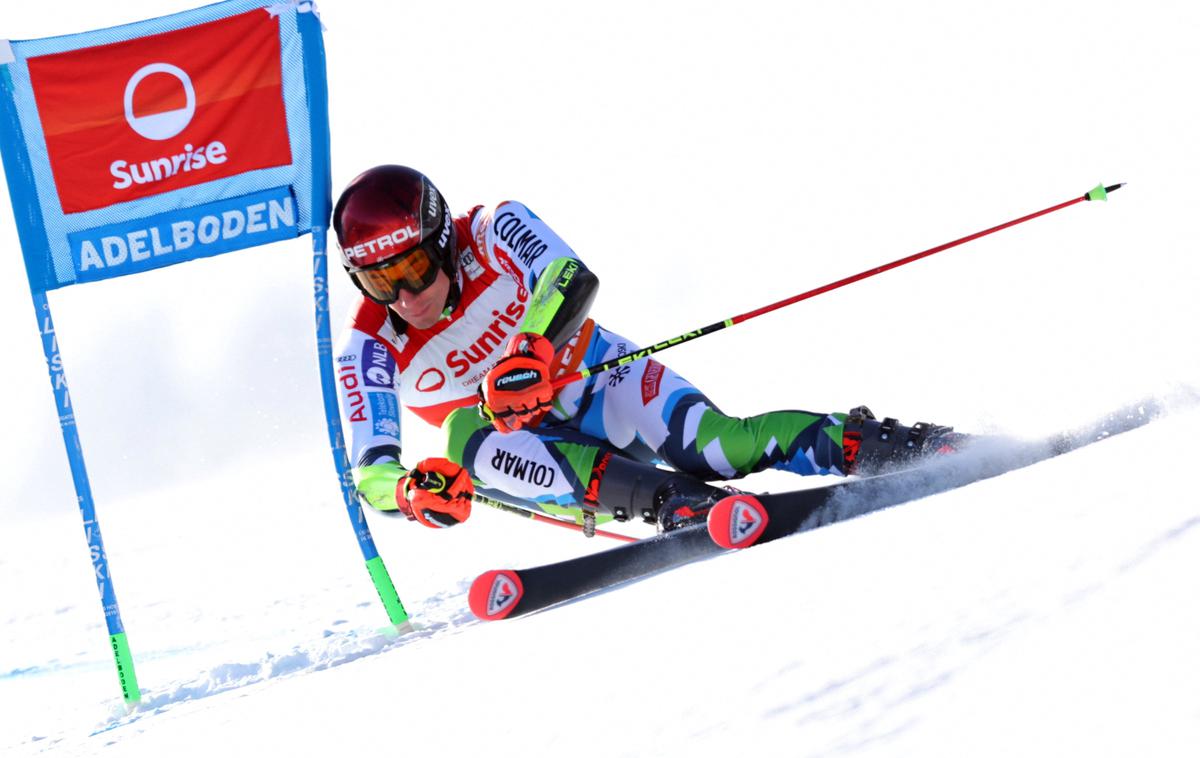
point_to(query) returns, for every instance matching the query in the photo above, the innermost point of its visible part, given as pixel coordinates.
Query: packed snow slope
(1050, 611)
(703, 162)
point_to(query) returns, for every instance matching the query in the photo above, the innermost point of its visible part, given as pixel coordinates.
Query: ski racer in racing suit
(467, 321)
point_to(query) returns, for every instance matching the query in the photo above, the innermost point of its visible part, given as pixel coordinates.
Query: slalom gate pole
(309, 26)
(1099, 193)
(28, 216)
(87, 505)
(382, 580)
(542, 518)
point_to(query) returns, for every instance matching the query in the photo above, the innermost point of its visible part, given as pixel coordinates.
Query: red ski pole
(542, 518)
(1099, 193)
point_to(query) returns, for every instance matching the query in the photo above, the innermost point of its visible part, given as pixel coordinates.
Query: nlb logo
(378, 365)
(165, 125)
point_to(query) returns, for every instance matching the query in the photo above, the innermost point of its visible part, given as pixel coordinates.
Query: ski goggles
(413, 271)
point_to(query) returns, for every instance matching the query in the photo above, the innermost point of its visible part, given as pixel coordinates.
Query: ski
(510, 592)
(742, 520)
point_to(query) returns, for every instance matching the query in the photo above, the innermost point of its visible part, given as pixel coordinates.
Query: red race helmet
(394, 231)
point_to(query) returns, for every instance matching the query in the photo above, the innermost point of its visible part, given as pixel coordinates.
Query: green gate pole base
(387, 592)
(125, 672)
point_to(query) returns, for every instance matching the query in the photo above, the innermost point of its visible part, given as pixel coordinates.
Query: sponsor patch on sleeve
(378, 366)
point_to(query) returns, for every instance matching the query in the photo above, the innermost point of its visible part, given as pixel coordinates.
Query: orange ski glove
(517, 392)
(437, 493)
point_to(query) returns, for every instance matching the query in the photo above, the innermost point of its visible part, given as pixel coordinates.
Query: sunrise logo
(165, 125)
(165, 111)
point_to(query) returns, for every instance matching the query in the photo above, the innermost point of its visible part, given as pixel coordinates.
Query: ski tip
(494, 594)
(737, 522)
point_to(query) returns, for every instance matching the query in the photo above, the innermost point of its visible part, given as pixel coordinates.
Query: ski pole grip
(431, 481)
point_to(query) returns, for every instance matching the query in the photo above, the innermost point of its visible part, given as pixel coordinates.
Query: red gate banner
(145, 116)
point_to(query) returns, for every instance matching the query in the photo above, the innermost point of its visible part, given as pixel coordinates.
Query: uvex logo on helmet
(400, 239)
(447, 225)
(520, 380)
(436, 214)
(432, 211)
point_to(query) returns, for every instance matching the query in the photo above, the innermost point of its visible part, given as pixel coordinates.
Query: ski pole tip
(1101, 192)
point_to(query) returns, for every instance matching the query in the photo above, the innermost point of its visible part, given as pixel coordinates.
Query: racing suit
(514, 274)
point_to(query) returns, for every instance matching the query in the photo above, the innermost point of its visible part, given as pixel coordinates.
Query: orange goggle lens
(413, 270)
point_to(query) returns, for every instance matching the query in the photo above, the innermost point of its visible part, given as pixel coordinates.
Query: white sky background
(703, 161)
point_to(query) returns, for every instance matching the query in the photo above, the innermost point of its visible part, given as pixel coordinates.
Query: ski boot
(871, 446)
(683, 501)
(670, 500)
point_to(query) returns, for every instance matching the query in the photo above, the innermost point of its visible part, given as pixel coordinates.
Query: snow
(1047, 611)
(704, 162)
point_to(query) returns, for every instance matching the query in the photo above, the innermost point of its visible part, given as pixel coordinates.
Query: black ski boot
(683, 501)
(871, 446)
(632, 489)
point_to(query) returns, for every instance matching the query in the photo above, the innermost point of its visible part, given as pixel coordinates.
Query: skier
(467, 320)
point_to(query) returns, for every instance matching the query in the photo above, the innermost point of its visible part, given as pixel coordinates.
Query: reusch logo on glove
(523, 380)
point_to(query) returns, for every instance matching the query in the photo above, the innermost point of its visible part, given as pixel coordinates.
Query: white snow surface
(704, 162)
(1049, 611)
